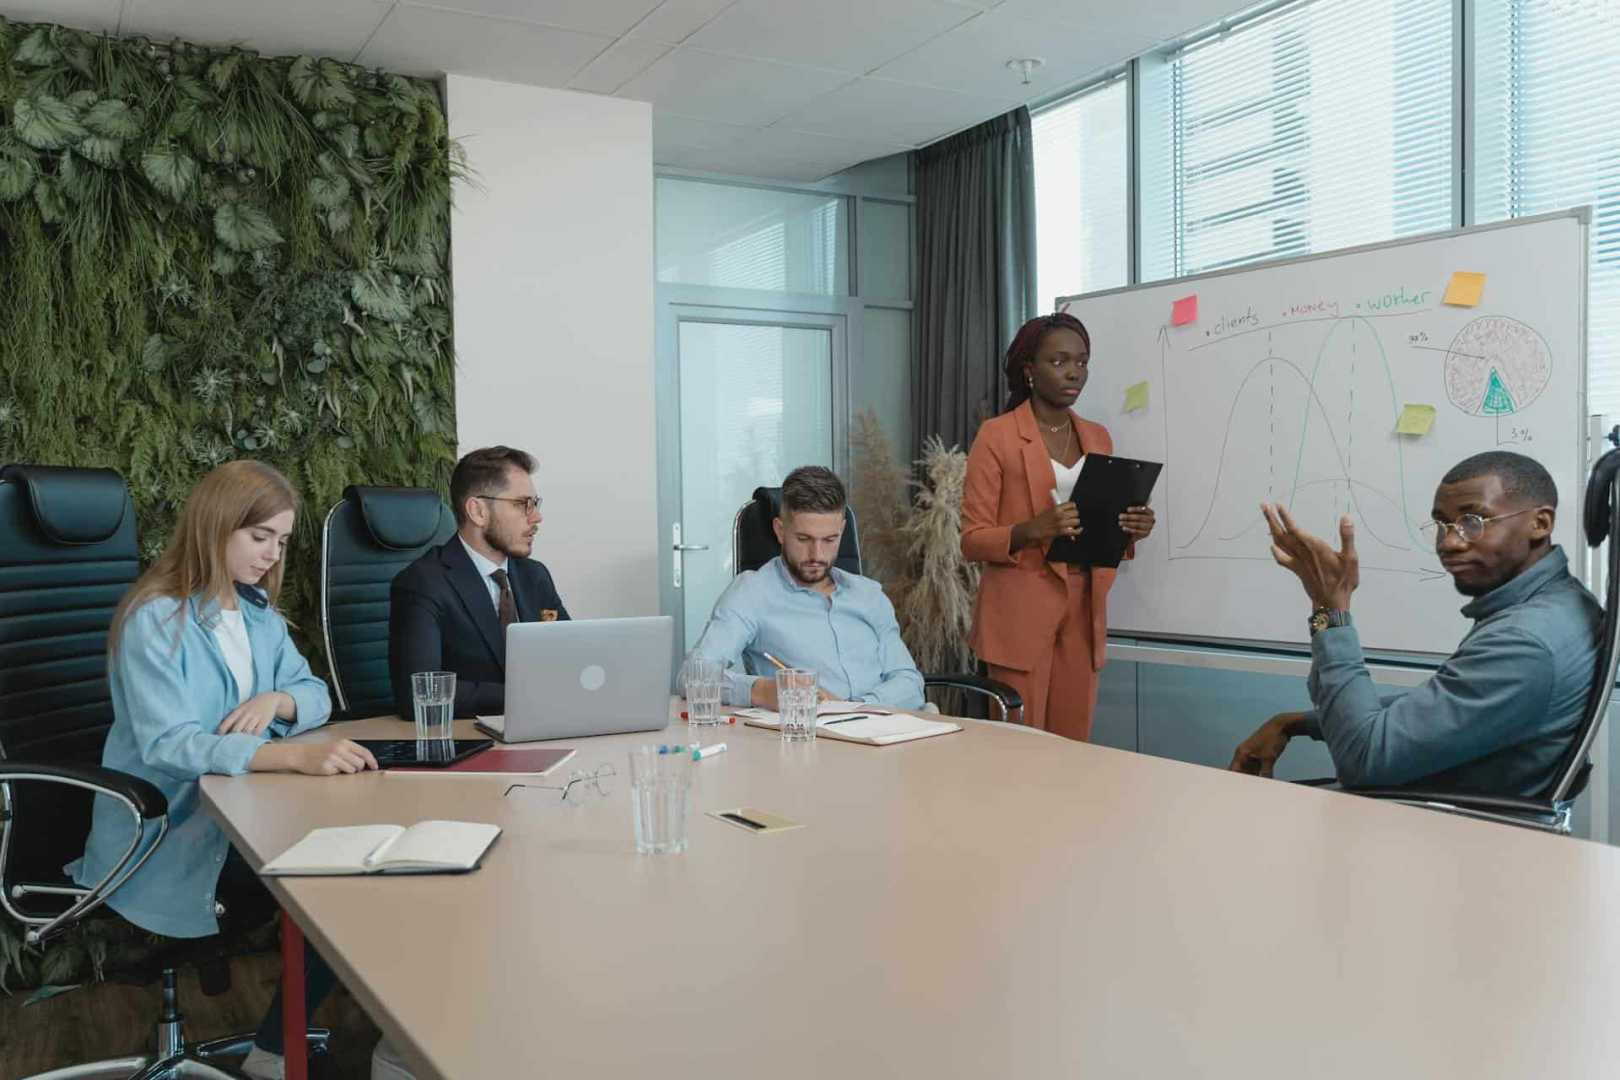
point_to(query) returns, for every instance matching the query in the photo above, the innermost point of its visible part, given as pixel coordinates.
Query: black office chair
(370, 536)
(754, 543)
(1550, 811)
(67, 555)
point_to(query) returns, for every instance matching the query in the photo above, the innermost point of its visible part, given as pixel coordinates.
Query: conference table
(995, 902)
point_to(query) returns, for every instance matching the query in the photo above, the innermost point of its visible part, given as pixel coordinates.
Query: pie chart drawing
(1496, 366)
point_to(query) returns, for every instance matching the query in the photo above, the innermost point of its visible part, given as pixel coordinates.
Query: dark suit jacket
(440, 618)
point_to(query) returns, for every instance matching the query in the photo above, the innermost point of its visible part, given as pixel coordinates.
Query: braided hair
(1026, 343)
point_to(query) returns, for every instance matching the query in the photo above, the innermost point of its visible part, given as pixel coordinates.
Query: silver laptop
(585, 677)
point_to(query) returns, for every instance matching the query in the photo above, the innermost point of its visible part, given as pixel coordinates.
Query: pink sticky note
(1184, 311)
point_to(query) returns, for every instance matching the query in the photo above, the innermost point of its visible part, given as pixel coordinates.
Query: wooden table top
(994, 902)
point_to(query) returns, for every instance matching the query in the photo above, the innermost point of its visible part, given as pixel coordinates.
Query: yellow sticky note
(1415, 420)
(1464, 289)
(1136, 397)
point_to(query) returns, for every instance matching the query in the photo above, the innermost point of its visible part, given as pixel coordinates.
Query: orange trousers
(1060, 686)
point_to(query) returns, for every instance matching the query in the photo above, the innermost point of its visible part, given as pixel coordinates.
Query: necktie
(507, 608)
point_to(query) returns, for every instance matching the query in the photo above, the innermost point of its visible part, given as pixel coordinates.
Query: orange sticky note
(1184, 311)
(1464, 289)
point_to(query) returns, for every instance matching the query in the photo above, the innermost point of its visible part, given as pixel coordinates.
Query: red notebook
(531, 761)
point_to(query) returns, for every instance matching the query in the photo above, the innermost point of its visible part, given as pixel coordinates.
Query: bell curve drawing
(1290, 385)
(1314, 409)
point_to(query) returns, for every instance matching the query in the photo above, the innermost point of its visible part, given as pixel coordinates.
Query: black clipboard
(1105, 488)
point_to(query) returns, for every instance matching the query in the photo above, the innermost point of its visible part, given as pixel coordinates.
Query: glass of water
(433, 695)
(660, 798)
(704, 677)
(796, 704)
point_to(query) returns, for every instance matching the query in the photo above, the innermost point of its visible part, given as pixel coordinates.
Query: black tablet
(423, 753)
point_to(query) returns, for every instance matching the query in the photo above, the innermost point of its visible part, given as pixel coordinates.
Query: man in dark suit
(450, 608)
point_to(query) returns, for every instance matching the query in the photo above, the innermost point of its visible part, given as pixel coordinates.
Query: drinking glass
(796, 704)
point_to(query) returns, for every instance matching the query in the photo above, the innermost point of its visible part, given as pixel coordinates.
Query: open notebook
(428, 847)
(873, 726)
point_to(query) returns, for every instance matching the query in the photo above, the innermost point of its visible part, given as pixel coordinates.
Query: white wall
(552, 256)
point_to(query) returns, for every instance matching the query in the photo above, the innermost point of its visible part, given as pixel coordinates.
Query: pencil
(779, 665)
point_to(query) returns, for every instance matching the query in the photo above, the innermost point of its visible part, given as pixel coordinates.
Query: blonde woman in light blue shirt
(205, 679)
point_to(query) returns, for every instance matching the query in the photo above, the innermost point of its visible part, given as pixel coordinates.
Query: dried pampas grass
(911, 541)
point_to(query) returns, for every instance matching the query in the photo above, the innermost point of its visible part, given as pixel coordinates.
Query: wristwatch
(1324, 617)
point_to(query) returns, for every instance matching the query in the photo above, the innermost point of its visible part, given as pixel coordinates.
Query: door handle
(678, 549)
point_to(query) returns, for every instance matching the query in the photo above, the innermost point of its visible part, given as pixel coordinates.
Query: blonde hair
(236, 495)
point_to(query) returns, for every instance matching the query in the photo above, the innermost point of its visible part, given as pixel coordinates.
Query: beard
(513, 543)
(813, 576)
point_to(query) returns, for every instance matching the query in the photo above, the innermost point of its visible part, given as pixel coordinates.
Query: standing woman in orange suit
(1040, 626)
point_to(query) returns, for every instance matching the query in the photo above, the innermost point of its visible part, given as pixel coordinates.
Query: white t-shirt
(231, 633)
(1066, 478)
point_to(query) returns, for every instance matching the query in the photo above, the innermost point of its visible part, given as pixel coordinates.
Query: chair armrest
(144, 802)
(141, 794)
(1502, 804)
(1011, 702)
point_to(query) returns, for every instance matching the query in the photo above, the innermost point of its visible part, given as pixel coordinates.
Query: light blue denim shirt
(170, 689)
(849, 639)
(1497, 716)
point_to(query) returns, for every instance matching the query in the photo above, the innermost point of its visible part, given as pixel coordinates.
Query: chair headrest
(72, 506)
(397, 517)
(769, 502)
(1600, 497)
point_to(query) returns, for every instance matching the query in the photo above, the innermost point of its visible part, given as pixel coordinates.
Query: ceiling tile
(676, 20)
(320, 27)
(848, 35)
(672, 133)
(84, 14)
(612, 17)
(425, 41)
(973, 57)
(893, 112)
(1127, 30)
(729, 89)
(624, 59)
(779, 154)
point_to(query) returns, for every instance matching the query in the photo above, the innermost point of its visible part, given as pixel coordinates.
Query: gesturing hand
(255, 714)
(1329, 576)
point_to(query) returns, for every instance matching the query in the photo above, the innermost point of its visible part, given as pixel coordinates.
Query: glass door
(760, 393)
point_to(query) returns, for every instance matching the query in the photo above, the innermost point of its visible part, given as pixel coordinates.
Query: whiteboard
(1287, 388)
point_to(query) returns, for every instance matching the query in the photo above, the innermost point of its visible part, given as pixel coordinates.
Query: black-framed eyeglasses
(527, 503)
(1469, 526)
(580, 784)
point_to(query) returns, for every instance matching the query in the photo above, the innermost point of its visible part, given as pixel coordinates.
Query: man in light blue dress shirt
(807, 613)
(1503, 710)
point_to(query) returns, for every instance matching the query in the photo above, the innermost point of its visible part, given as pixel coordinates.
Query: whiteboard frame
(1579, 559)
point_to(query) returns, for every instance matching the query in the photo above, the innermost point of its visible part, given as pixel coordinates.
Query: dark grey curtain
(976, 273)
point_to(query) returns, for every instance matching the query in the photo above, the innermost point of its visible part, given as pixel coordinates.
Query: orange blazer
(1022, 597)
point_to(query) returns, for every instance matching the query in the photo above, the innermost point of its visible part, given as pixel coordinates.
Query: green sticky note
(1136, 397)
(1415, 420)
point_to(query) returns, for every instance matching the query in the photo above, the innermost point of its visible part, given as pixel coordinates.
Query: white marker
(701, 752)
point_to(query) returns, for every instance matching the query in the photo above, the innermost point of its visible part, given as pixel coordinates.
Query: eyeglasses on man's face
(1469, 526)
(529, 504)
